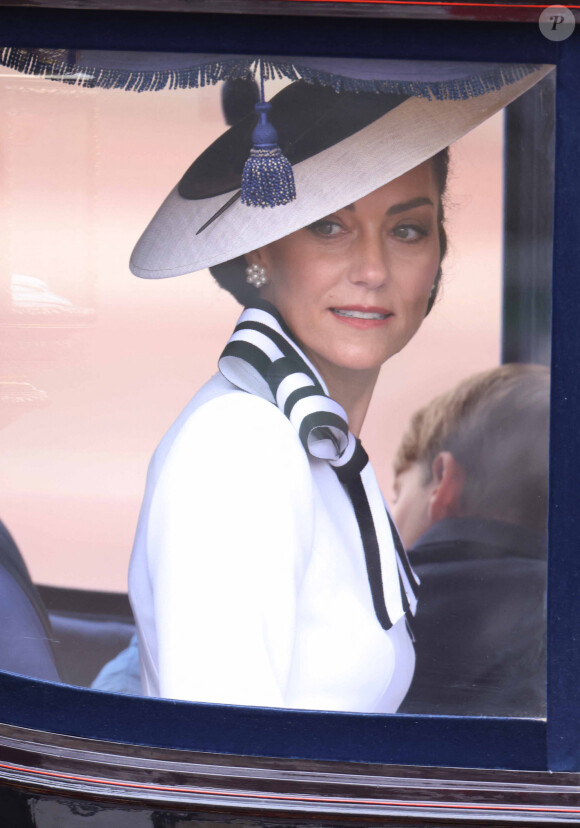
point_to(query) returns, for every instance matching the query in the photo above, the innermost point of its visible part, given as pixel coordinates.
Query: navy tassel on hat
(267, 179)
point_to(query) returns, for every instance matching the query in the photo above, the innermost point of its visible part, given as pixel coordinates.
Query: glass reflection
(86, 389)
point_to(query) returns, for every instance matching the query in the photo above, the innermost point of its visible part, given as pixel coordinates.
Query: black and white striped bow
(262, 358)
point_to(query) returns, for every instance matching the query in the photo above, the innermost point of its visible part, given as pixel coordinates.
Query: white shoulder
(239, 428)
(236, 458)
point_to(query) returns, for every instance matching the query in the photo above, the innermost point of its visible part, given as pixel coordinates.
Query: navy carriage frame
(515, 744)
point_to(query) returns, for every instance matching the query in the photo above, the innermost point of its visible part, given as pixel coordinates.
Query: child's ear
(448, 481)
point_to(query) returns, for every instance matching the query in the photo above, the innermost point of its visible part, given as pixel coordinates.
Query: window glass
(97, 365)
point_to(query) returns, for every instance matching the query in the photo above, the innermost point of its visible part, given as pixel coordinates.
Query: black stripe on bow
(297, 395)
(404, 599)
(349, 475)
(321, 420)
(353, 466)
(292, 364)
(402, 553)
(249, 353)
(358, 496)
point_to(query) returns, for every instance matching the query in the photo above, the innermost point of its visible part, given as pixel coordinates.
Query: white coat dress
(248, 579)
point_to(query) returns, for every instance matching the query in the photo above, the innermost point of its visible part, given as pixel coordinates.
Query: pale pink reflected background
(88, 388)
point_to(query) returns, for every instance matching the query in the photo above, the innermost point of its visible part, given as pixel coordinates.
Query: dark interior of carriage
(55, 633)
(89, 629)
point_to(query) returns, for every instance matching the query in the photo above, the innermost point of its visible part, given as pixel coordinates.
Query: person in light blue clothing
(122, 674)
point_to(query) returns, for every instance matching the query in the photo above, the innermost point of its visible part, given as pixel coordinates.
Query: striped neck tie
(262, 358)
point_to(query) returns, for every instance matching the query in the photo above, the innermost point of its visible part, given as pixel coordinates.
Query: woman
(266, 570)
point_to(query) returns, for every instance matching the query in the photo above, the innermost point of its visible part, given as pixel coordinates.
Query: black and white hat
(343, 138)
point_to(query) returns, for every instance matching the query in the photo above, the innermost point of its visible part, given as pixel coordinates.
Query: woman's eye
(326, 227)
(410, 232)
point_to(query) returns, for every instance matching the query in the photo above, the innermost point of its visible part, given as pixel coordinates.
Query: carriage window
(97, 365)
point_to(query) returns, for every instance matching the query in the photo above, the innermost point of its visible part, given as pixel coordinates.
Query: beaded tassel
(268, 178)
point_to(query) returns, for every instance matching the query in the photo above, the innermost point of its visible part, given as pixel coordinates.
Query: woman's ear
(448, 479)
(256, 257)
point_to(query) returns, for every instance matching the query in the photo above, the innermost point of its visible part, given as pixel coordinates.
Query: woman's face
(354, 286)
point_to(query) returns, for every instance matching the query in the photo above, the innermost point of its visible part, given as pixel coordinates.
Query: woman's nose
(370, 266)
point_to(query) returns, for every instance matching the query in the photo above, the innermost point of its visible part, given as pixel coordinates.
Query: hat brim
(392, 145)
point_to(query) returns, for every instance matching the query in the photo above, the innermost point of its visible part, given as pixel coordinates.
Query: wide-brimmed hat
(342, 145)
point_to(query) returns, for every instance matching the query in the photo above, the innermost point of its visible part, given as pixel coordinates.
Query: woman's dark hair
(441, 170)
(231, 275)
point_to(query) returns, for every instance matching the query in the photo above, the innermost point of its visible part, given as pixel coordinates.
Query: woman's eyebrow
(400, 208)
(408, 205)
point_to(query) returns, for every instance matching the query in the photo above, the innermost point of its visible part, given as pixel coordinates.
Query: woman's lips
(362, 317)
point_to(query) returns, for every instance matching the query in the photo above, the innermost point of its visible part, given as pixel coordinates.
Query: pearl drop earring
(256, 276)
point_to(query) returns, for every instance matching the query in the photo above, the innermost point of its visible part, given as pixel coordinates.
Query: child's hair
(495, 424)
